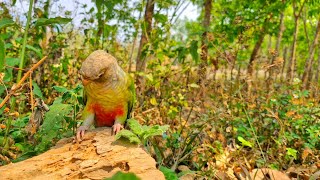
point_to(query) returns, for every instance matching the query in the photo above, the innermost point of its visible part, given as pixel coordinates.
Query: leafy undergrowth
(20, 143)
(230, 130)
(193, 132)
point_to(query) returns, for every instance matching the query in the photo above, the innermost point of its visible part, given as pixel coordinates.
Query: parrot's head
(99, 67)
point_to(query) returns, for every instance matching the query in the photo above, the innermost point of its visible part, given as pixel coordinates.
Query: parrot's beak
(85, 82)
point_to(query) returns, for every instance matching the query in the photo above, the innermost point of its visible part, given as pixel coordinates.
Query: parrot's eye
(100, 76)
(83, 77)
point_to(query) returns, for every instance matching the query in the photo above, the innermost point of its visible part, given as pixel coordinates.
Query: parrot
(109, 93)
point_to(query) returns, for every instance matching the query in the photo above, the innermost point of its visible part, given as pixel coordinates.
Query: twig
(253, 130)
(25, 76)
(15, 68)
(31, 93)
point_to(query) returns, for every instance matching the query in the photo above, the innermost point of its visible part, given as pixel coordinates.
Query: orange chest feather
(105, 117)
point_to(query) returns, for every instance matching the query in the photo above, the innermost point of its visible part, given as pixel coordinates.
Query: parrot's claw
(116, 128)
(80, 133)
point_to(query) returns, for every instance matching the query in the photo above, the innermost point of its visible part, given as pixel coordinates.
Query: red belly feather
(104, 117)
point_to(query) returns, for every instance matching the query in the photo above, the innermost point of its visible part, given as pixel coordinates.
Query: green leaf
(155, 131)
(121, 175)
(56, 20)
(244, 142)
(2, 89)
(168, 173)
(26, 155)
(194, 51)
(17, 135)
(5, 22)
(54, 122)
(1, 140)
(135, 126)
(128, 135)
(66, 96)
(78, 88)
(36, 50)
(12, 61)
(37, 90)
(60, 89)
(2, 54)
(182, 52)
(193, 85)
(19, 146)
(292, 152)
(149, 77)
(160, 18)
(8, 75)
(153, 101)
(13, 2)
(99, 5)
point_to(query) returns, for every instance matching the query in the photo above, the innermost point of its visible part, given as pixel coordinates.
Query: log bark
(98, 156)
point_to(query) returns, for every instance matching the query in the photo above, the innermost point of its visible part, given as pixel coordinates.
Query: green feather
(133, 96)
(84, 97)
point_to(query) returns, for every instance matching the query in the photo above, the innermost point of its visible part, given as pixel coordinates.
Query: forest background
(237, 83)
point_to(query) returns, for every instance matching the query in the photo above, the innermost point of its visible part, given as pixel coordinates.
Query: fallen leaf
(306, 153)
(290, 113)
(266, 173)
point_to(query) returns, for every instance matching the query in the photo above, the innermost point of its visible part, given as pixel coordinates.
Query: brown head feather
(99, 66)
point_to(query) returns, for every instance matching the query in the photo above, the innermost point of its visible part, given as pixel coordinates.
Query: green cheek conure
(108, 93)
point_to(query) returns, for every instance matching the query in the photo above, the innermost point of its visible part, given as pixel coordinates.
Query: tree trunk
(141, 57)
(146, 31)
(256, 48)
(272, 75)
(304, 20)
(292, 61)
(268, 55)
(202, 71)
(134, 43)
(318, 68)
(308, 64)
(285, 50)
(100, 29)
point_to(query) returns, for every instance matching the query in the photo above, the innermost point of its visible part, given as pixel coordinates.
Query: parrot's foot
(116, 128)
(80, 133)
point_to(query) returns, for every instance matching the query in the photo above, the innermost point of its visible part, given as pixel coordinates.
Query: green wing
(132, 92)
(84, 97)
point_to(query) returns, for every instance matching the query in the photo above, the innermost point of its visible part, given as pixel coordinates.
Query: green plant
(24, 43)
(59, 122)
(73, 97)
(169, 174)
(291, 153)
(141, 134)
(125, 176)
